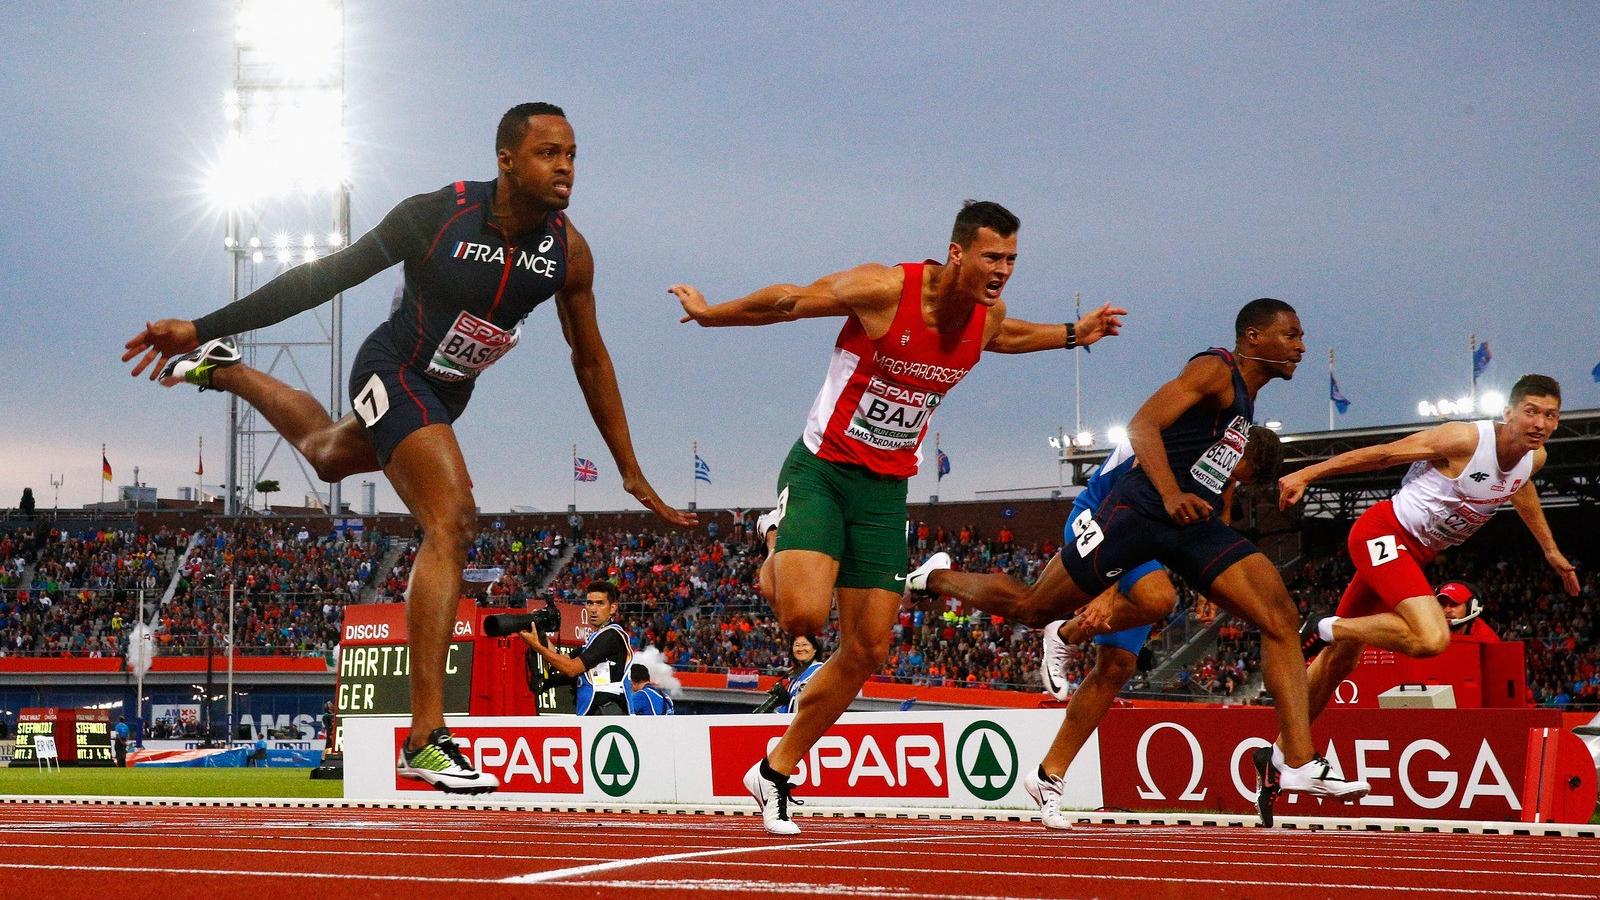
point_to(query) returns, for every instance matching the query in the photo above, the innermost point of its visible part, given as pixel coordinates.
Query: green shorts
(847, 512)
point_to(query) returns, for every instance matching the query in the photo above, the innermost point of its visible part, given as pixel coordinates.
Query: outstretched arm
(1526, 502)
(864, 291)
(1441, 442)
(1020, 336)
(591, 362)
(402, 234)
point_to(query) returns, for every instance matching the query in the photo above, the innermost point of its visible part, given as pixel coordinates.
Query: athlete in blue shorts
(1148, 595)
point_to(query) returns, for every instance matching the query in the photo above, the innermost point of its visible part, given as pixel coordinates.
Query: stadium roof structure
(1571, 476)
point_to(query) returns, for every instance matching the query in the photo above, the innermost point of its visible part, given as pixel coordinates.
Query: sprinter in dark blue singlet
(1188, 437)
(478, 258)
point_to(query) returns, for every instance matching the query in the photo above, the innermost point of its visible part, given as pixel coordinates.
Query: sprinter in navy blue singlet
(1187, 438)
(477, 257)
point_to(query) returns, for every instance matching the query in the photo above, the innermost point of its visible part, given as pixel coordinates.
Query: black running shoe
(1311, 643)
(1266, 783)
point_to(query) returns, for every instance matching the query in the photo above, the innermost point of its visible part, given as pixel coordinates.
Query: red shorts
(1388, 563)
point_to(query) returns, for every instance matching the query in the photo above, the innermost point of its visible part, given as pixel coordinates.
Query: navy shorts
(1129, 639)
(1131, 527)
(392, 400)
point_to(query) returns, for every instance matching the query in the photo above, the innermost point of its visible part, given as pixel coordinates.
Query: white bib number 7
(372, 402)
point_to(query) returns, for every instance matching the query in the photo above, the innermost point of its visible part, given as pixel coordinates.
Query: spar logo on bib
(986, 760)
(614, 761)
(1215, 466)
(470, 346)
(892, 416)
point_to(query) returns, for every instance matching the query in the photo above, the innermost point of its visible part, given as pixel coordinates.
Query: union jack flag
(584, 470)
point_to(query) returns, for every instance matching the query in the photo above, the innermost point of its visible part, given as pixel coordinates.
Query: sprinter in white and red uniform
(1461, 473)
(911, 332)
(477, 257)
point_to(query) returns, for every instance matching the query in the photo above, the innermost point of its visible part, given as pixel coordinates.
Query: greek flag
(702, 472)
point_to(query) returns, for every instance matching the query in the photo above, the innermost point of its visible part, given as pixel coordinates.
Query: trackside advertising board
(1432, 764)
(961, 760)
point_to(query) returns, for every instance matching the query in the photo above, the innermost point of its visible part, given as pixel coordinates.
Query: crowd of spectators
(84, 587)
(691, 594)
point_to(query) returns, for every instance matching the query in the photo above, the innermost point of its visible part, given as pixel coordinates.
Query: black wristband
(1072, 336)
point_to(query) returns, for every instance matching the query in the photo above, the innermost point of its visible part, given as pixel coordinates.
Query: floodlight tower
(283, 181)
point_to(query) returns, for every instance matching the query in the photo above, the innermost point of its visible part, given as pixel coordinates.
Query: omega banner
(1422, 763)
(1429, 764)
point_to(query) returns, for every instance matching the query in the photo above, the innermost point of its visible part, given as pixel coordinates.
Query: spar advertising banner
(540, 757)
(964, 760)
(1422, 763)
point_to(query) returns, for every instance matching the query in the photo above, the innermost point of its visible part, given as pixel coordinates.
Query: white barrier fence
(958, 760)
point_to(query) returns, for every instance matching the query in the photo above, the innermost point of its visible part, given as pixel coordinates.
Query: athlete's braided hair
(514, 124)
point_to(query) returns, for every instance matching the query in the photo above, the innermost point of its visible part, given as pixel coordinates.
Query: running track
(166, 853)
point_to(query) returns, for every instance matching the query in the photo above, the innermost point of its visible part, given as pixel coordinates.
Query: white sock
(1325, 627)
(1277, 757)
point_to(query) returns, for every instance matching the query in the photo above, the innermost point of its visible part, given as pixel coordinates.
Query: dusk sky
(1404, 174)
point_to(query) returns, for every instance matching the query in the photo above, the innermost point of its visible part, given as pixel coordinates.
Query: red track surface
(131, 852)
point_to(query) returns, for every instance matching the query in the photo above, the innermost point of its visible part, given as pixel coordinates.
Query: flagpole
(1330, 388)
(1472, 354)
(938, 471)
(574, 477)
(1077, 378)
(102, 479)
(694, 477)
(200, 469)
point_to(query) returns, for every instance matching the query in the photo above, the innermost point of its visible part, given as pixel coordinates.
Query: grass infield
(153, 782)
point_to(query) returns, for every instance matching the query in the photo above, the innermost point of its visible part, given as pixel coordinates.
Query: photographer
(600, 670)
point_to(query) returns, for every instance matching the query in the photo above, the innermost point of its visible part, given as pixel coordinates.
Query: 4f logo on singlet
(470, 346)
(1215, 466)
(892, 417)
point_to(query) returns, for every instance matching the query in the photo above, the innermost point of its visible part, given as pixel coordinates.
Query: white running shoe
(1046, 791)
(772, 795)
(1319, 779)
(768, 521)
(440, 763)
(198, 364)
(918, 579)
(1052, 668)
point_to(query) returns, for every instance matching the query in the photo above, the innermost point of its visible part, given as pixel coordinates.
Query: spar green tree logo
(986, 760)
(614, 760)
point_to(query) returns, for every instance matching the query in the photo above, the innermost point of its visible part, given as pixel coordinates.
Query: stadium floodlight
(309, 255)
(1083, 440)
(1491, 403)
(335, 240)
(284, 256)
(1055, 442)
(1116, 434)
(299, 41)
(256, 257)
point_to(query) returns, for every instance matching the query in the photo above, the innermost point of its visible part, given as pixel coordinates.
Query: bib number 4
(1087, 533)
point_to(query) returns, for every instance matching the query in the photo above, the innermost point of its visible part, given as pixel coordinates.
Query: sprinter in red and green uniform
(911, 333)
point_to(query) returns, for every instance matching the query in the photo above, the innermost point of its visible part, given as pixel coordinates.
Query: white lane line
(1183, 880)
(1574, 867)
(292, 851)
(245, 873)
(786, 888)
(1137, 860)
(580, 871)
